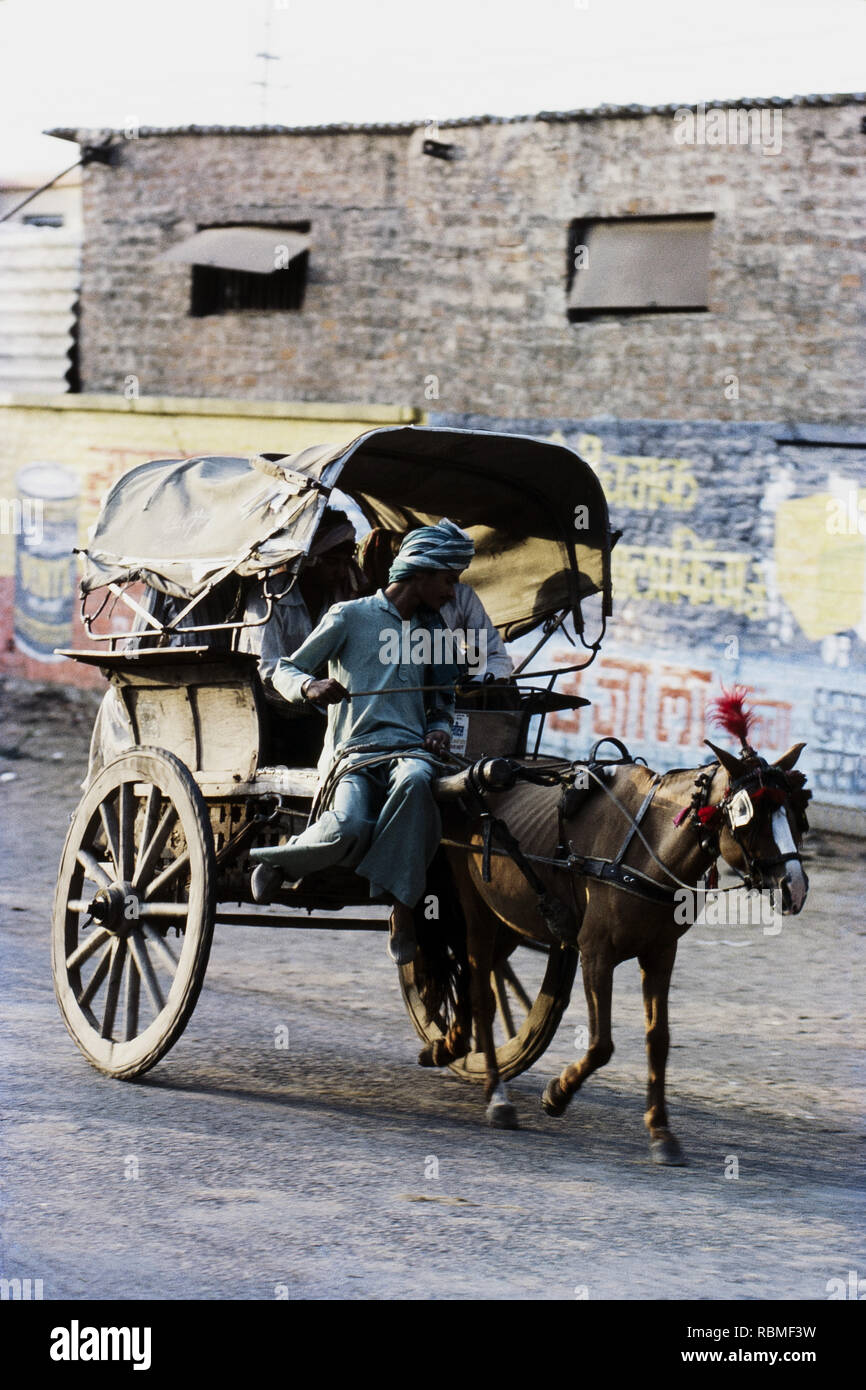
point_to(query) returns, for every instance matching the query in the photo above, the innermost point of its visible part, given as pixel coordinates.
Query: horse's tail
(442, 965)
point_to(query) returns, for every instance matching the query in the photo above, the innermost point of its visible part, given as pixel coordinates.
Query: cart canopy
(535, 509)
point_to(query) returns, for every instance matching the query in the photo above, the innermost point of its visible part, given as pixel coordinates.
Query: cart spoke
(112, 834)
(168, 873)
(151, 819)
(150, 854)
(131, 998)
(168, 909)
(127, 825)
(498, 981)
(93, 868)
(87, 947)
(97, 977)
(508, 974)
(146, 971)
(112, 993)
(161, 947)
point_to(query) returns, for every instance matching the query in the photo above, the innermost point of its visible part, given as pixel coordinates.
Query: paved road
(336, 1167)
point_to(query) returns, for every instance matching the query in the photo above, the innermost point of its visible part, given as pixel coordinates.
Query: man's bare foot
(401, 946)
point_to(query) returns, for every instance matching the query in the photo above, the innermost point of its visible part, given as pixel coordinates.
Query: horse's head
(761, 820)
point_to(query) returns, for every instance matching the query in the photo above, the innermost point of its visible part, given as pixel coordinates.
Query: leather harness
(759, 779)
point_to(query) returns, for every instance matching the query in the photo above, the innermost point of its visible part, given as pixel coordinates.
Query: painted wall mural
(742, 561)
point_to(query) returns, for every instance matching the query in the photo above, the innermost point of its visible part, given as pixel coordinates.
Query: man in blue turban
(390, 707)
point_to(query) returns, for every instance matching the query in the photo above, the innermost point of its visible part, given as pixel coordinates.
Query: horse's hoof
(553, 1102)
(502, 1115)
(666, 1150)
(425, 1056)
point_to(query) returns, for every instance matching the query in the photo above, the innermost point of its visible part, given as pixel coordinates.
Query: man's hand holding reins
(437, 742)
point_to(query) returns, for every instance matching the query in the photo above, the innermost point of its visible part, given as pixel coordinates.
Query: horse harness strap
(559, 920)
(614, 871)
(759, 779)
(555, 914)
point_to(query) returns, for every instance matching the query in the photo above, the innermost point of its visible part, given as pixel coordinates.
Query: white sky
(101, 63)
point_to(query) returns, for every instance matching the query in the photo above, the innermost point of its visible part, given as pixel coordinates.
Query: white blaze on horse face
(784, 842)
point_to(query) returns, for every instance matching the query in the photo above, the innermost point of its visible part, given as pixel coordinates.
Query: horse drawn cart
(157, 851)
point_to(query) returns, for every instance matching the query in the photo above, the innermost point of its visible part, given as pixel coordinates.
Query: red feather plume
(729, 713)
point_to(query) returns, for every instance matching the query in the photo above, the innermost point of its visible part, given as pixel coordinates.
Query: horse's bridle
(761, 781)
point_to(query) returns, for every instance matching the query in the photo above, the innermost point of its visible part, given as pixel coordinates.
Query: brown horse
(740, 808)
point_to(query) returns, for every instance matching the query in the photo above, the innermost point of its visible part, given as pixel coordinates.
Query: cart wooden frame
(156, 854)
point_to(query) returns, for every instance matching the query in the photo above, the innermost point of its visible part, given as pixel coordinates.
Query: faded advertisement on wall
(742, 561)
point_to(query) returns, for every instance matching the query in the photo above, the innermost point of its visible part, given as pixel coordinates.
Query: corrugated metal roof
(38, 288)
(589, 113)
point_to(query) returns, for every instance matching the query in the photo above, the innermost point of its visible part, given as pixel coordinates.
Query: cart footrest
(239, 916)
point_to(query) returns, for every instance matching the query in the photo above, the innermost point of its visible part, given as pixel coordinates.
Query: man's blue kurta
(383, 821)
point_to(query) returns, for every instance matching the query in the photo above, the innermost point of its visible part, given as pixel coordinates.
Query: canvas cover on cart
(535, 510)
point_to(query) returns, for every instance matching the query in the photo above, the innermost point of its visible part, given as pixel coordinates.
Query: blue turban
(441, 547)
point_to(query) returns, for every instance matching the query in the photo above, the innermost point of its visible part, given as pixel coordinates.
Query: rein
(736, 806)
(375, 755)
(607, 870)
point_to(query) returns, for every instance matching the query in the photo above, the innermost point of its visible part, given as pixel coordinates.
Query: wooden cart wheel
(134, 911)
(532, 986)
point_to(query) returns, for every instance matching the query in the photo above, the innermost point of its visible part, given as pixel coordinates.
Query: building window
(216, 290)
(43, 219)
(638, 265)
(238, 268)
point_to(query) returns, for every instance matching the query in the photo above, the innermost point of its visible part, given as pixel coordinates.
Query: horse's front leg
(598, 967)
(656, 969)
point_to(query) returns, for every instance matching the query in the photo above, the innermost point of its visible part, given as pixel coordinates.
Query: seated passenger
(464, 613)
(376, 809)
(328, 575)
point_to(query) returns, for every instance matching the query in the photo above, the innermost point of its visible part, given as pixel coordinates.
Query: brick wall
(443, 284)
